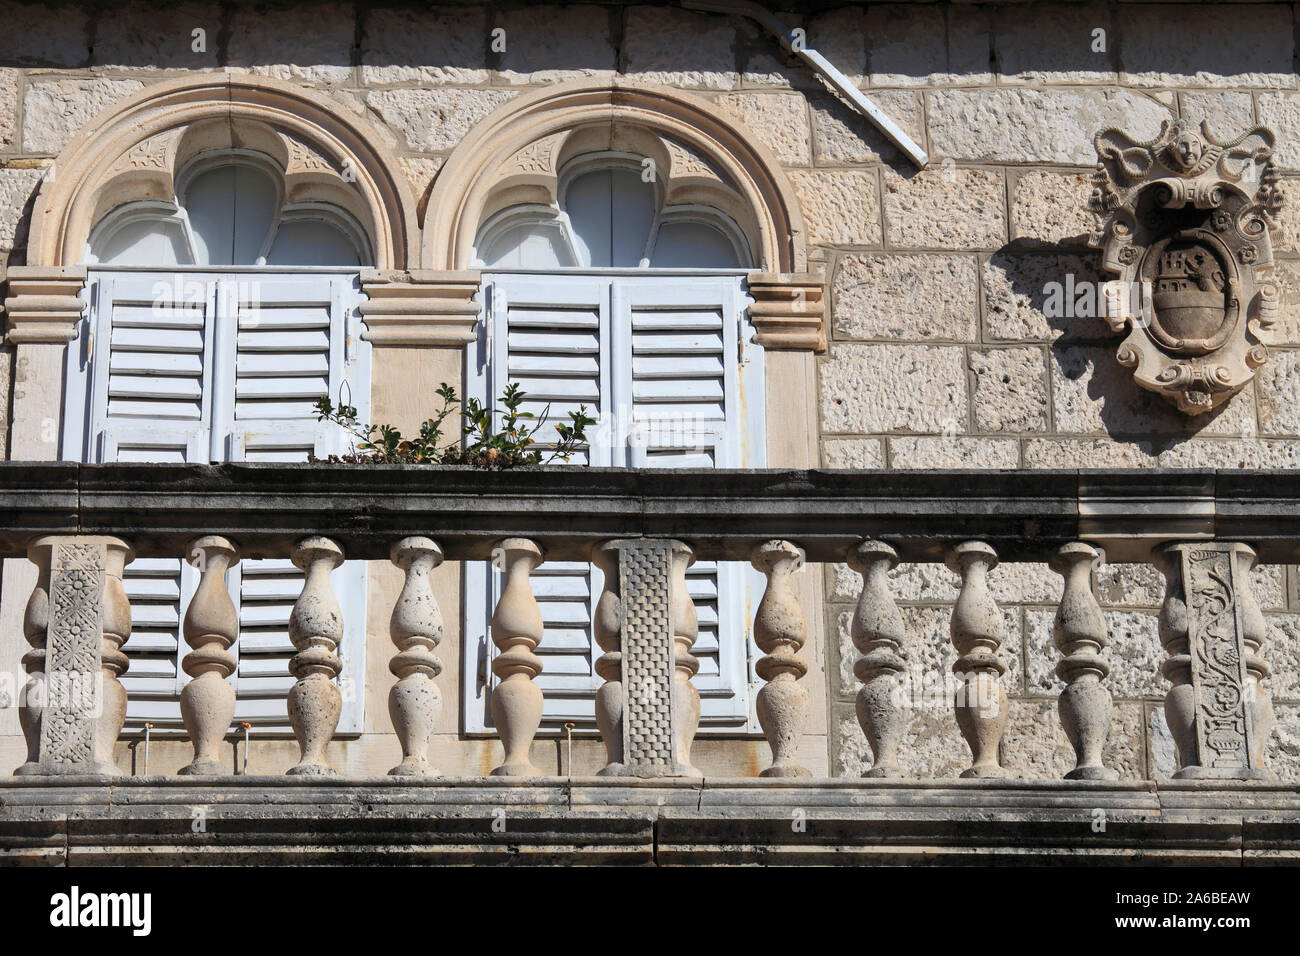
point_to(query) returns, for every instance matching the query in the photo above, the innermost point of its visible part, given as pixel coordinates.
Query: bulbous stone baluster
(1079, 632)
(878, 634)
(1180, 701)
(36, 620)
(976, 628)
(116, 623)
(607, 623)
(316, 629)
(516, 631)
(211, 627)
(1254, 632)
(414, 703)
(686, 628)
(780, 632)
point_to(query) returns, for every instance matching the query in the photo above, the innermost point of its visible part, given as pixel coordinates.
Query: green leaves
(481, 443)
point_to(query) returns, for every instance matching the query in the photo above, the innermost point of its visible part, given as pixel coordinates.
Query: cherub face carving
(1187, 149)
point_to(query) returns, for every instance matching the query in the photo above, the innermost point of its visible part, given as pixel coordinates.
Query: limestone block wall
(942, 348)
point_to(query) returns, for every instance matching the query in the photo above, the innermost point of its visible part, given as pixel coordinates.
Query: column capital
(44, 303)
(789, 310)
(420, 307)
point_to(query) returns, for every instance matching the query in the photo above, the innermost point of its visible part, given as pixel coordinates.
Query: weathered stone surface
(841, 135)
(777, 120)
(840, 206)
(1162, 756)
(549, 44)
(8, 106)
(17, 186)
(680, 48)
(420, 171)
(1251, 45)
(1036, 748)
(840, 36)
(1020, 291)
(272, 42)
(905, 297)
(1088, 453)
(1232, 453)
(149, 37)
(1056, 44)
(932, 747)
(1049, 209)
(1130, 585)
(1010, 390)
(945, 208)
(1010, 583)
(853, 453)
(1280, 111)
(40, 35)
(884, 388)
(1286, 273)
(1094, 394)
(953, 451)
(1229, 113)
(1135, 654)
(432, 47)
(912, 45)
(762, 59)
(1283, 751)
(55, 109)
(435, 120)
(1286, 242)
(1047, 126)
(1282, 653)
(1279, 413)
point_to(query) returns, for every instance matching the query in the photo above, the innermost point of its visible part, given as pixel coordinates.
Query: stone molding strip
(44, 303)
(789, 311)
(420, 307)
(722, 514)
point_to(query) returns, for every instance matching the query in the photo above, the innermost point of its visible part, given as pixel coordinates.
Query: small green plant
(480, 443)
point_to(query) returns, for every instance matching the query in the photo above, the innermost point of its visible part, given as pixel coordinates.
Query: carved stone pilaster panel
(1184, 224)
(1206, 628)
(648, 716)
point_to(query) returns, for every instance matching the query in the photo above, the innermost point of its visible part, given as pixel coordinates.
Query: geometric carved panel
(645, 568)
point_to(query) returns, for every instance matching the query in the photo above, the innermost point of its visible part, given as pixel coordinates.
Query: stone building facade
(929, 341)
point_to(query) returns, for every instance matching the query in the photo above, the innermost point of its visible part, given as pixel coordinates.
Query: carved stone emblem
(1183, 223)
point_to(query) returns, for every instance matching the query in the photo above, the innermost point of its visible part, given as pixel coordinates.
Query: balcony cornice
(1023, 514)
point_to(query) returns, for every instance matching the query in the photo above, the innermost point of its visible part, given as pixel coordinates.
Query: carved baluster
(686, 628)
(1180, 700)
(976, 628)
(516, 631)
(211, 627)
(36, 620)
(607, 623)
(780, 632)
(1254, 632)
(414, 703)
(1079, 632)
(878, 634)
(316, 629)
(116, 625)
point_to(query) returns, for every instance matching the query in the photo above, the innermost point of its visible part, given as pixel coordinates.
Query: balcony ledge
(251, 820)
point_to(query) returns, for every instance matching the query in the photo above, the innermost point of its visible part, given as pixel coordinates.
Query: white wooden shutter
(680, 374)
(655, 349)
(291, 345)
(196, 368)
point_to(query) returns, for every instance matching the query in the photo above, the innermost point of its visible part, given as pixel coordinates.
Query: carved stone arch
(536, 127)
(133, 149)
(515, 154)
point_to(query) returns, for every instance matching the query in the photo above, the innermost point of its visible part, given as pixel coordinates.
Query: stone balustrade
(81, 525)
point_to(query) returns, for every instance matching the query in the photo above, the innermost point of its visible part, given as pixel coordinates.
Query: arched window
(218, 316)
(620, 284)
(610, 213)
(229, 210)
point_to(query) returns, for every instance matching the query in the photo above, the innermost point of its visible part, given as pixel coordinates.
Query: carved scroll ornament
(1184, 223)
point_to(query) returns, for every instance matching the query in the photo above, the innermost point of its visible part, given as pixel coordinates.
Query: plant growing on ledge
(481, 443)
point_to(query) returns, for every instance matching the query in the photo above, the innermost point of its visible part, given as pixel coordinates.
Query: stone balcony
(80, 524)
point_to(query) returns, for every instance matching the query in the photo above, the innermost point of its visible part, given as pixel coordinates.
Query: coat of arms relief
(1184, 224)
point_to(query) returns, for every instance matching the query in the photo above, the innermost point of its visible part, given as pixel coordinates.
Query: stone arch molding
(133, 150)
(701, 154)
